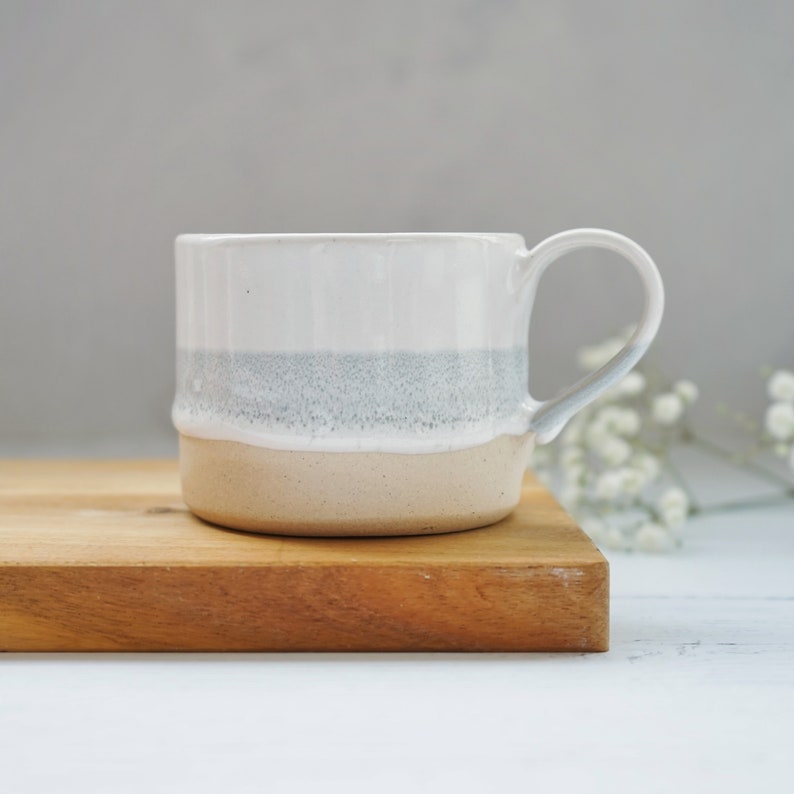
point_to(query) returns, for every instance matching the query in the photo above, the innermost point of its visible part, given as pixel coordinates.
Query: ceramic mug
(369, 384)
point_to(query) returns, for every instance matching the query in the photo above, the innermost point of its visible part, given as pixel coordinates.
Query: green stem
(718, 451)
(681, 480)
(742, 504)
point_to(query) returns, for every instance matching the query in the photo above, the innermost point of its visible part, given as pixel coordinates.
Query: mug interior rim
(197, 239)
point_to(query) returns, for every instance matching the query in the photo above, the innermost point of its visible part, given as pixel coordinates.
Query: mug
(369, 384)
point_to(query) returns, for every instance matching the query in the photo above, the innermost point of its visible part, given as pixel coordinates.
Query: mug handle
(547, 419)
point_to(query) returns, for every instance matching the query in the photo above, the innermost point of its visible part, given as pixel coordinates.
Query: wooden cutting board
(103, 556)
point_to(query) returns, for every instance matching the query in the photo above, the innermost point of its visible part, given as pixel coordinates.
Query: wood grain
(103, 556)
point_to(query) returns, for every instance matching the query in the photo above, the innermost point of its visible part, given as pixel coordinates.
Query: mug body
(363, 384)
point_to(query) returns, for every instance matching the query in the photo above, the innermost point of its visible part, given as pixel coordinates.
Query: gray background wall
(123, 124)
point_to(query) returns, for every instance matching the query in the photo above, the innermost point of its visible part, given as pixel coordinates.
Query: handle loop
(548, 418)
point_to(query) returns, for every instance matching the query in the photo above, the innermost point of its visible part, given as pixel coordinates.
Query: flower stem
(681, 480)
(762, 472)
(742, 504)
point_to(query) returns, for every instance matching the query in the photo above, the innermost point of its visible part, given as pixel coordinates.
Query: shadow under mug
(370, 384)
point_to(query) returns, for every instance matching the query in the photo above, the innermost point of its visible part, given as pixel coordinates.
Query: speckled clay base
(352, 493)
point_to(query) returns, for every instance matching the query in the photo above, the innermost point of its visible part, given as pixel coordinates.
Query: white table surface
(696, 695)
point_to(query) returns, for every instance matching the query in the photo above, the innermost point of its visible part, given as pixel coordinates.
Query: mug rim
(198, 239)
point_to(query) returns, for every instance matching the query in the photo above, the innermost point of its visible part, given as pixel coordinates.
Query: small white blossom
(647, 464)
(652, 537)
(781, 386)
(596, 434)
(575, 473)
(629, 386)
(674, 517)
(779, 421)
(667, 408)
(595, 356)
(674, 497)
(606, 417)
(628, 423)
(615, 451)
(687, 391)
(633, 384)
(619, 420)
(571, 457)
(609, 485)
(633, 480)
(673, 506)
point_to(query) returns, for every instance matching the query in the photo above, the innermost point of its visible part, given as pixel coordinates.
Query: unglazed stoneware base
(337, 494)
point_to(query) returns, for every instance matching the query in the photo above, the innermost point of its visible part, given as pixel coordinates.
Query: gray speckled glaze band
(433, 399)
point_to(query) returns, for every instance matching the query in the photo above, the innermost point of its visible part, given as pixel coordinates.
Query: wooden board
(103, 556)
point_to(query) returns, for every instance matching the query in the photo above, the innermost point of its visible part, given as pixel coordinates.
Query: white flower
(595, 356)
(614, 451)
(596, 434)
(674, 497)
(652, 537)
(781, 386)
(628, 422)
(667, 408)
(632, 385)
(572, 463)
(629, 386)
(575, 473)
(609, 485)
(619, 420)
(673, 506)
(633, 480)
(779, 421)
(571, 457)
(606, 417)
(674, 518)
(687, 391)
(647, 464)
